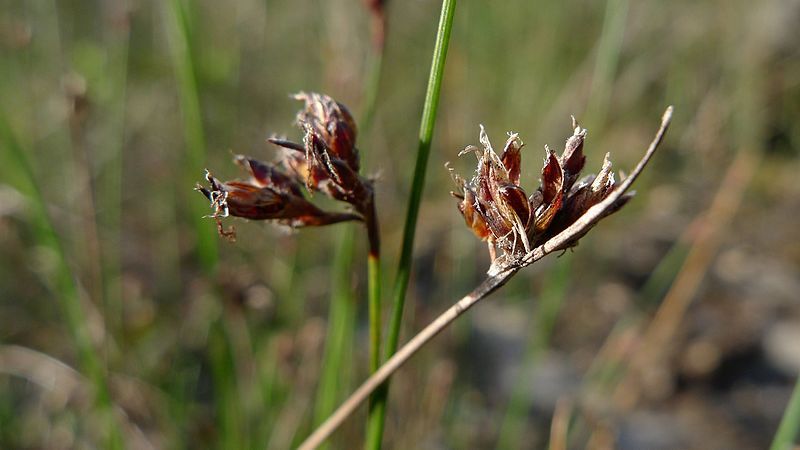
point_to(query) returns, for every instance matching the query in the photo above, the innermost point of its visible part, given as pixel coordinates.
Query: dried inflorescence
(497, 209)
(327, 161)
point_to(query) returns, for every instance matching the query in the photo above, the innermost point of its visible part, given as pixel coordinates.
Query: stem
(787, 430)
(374, 307)
(372, 85)
(340, 323)
(430, 107)
(373, 80)
(179, 33)
(374, 286)
(398, 359)
(425, 136)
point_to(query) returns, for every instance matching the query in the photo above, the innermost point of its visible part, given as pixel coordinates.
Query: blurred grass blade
(787, 432)
(226, 394)
(110, 194)
(373, 81)
(19, 171)
(378, 405)
(371, 88)
(608, 51)
(341, 320)
(176, 18)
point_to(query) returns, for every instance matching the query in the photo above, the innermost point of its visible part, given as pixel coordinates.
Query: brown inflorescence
(497, 209)
(327, 161)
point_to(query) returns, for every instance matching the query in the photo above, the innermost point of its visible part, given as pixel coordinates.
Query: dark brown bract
(498, 210)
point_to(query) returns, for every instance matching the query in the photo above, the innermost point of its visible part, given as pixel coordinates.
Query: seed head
(327, 161)
(496, 208)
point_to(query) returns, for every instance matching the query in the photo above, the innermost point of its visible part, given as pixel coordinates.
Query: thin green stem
(372, 86)
(179, 31)
(374, 422)
(226, 398)
(423, 151)
(374, 276)
(430, 107)
(790, 423)
(342, 312)
(374, 288)
(375, 67)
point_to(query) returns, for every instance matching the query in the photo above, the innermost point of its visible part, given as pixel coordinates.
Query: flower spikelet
(497, 209)
(326, 161)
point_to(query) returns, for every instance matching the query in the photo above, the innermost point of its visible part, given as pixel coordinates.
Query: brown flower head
(332, 123)
(496, 208)
(327, 161)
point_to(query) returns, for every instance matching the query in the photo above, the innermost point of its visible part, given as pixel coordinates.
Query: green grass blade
(374, 69)
(341, 320)
(177, 17)
(378, 405)
(430, 108)
(608, 52)
(790, 423)
(226, 394)
(178, 29)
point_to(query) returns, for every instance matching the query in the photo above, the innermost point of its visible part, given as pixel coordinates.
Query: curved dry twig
(499, 273)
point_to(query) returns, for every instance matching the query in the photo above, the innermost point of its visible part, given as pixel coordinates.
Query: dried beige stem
(499, 273)
(559, 426)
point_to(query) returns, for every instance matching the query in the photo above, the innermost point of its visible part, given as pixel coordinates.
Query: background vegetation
(124, 319)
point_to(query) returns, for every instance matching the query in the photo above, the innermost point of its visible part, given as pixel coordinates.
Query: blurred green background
(125, 320)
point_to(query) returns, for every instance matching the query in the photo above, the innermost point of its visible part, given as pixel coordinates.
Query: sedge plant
(518, 229)
(522, 228)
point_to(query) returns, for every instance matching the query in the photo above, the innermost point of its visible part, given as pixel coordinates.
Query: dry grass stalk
(559, 426)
